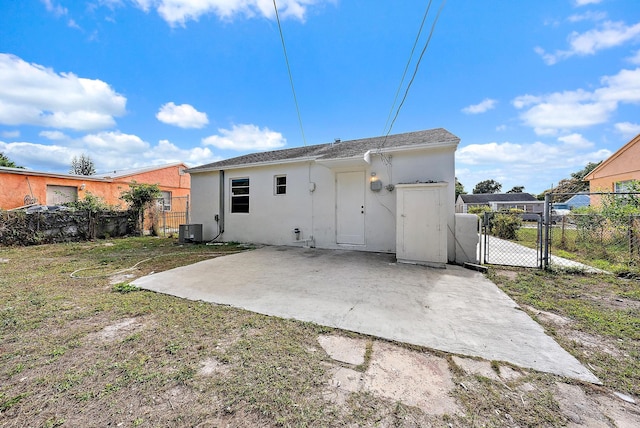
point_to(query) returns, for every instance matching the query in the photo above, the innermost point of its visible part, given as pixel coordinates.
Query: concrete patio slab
(453, 309)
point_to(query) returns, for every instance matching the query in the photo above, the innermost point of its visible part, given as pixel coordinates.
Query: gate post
(547, 229)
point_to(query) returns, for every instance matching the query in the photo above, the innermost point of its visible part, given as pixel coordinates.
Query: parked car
(560, 214)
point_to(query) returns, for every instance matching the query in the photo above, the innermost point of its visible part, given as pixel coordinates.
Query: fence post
(547, 228)
(630, 235)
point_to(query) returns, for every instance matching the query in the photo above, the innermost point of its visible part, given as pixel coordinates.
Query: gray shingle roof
(485, 198)
(344, 149)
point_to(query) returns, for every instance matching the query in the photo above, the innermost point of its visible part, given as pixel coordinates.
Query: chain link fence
(597, 240)
(601, 235)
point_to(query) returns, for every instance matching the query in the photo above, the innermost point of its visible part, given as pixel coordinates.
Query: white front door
(350, 187)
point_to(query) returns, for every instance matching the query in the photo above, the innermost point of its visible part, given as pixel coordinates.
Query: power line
(415, 71)
(286, 58)
(406, 68)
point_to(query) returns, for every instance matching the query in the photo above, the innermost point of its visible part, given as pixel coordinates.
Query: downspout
(312, 191)
(219, 218)
(221, 204)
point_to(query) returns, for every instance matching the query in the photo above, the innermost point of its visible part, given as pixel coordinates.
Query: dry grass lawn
(80, 347)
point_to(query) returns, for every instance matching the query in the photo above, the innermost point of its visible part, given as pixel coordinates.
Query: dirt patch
(211, 366)
(123, 277)
(509, 274)
(615, 302)
(594, 343)
(549, 317)
(119, 330)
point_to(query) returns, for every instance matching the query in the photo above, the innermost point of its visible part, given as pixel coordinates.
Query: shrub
(479, 210)
(505, 225)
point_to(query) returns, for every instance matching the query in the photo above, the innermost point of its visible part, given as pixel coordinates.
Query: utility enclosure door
(350, 188)
(57, 195)
(421, 229)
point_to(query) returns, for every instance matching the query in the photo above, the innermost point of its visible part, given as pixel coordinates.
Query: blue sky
(534, 89)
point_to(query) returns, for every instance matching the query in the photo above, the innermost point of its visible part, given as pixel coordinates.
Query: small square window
(281, 184)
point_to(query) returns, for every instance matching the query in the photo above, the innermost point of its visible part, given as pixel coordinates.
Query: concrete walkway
(509, 253)
(453, 309)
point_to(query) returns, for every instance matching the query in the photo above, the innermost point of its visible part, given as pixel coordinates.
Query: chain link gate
(501, 229)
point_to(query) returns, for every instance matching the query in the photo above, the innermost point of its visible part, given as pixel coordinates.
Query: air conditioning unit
(188, 233)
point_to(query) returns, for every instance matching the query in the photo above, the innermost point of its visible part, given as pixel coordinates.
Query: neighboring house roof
(621, 152)
(109, 176)
(23, 171)
(339, 150)
(136, 171)
(580, 200)
(485, 198)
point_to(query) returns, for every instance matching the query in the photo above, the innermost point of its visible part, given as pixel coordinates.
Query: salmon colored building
(22, 187)
(616, 172)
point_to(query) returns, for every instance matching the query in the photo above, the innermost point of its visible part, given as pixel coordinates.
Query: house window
(240, 195)
(165, 201)
(281, 184)
(622, 186)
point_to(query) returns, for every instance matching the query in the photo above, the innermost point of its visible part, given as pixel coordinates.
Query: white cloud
(55, 9)
(608, 35)
(501, 128)
(109, 150)
(39, 156)
(635, 59)
(246, 137)
(31, 94)
(184, 116)
(628, 129)
(169, 152)
(10, 134)
(577, 141)
(579, 3)
(535, 165)
(588, 16)
(115, 143)
(54, 135)
(549, 114)
(485, 105)
(178, 12)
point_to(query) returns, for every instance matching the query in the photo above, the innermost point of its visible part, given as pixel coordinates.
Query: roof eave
(607, 161)
(198, 170)
(21, 171)
(423, 146)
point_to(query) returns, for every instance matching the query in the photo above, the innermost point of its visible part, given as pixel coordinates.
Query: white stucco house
(388, 194)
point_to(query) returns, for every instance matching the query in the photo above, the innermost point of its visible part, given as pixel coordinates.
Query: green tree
(487, 186)
(516, 189)
(140, 196)
(5, 161)
(82, 165)
(459, 189)
(580, 175)
(574, 184)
